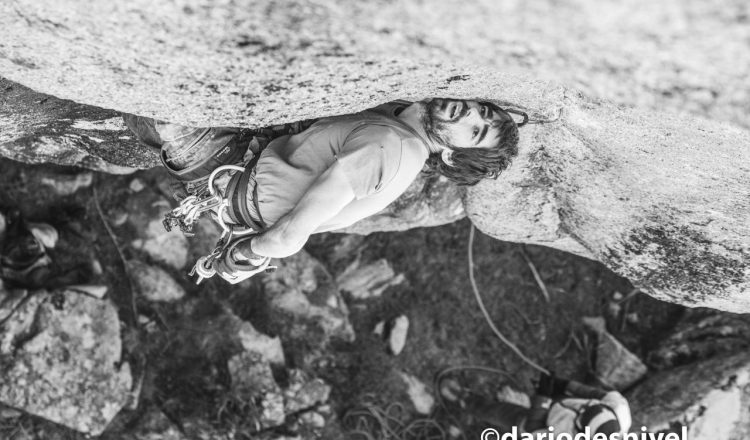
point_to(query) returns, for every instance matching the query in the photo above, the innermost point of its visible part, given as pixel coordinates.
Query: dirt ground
(183, 356)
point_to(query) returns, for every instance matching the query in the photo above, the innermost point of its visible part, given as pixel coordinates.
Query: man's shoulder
(392, 108)
(391, 136)
(380, 131)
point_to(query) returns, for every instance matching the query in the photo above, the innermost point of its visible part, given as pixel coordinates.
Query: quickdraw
(191, 209)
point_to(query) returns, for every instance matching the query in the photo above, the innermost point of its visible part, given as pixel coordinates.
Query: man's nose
(473, 116)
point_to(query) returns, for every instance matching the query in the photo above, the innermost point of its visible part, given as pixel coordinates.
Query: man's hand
(330, 193)
(237, 266)
(243, 251)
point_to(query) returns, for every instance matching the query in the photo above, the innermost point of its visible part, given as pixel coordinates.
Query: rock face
(659, 198)
(259, 62)
(60, 357)
(710, 397)
(38, 128)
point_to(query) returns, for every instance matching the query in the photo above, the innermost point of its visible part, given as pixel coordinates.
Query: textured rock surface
(61, 360)
(38, 128)
(252, 381)
(700, 335)
(616, 367)
(257, 62)
(419, 393)
(307, 300)
(67, 184)
(146, 214)
(154, 283)
(661, 199)
(710, 397)
(154, 425)
(269, 349)
(368, 281)
(399, 330)
(304, 393)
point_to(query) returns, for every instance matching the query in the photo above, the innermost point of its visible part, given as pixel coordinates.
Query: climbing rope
(372, 421)
(486, 314)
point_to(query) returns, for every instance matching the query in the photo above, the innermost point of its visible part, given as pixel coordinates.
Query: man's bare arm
(330, 193)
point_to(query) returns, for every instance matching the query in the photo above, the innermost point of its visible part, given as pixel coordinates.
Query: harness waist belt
(236, 195)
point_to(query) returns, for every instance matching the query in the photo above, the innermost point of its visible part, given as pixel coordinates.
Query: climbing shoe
(24, 261)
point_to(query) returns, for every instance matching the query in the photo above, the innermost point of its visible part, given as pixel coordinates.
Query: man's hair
(471, 165)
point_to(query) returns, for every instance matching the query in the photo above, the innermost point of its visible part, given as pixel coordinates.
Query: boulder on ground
(252, 381)
(509, 394)
(304, 392)
(96, 290)
(369, 280)
(313, 419)
(702, 334)
(136, 185)
(61, 360)
(154, 425)
(67, 184)
(45, 233)
(710, 398)
(154, 283)
(419, 393)
(146, 211)
(306, 299)
(616, 366)
(253, 341)
(399, 329)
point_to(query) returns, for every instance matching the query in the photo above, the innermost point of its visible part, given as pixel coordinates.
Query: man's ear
(447, 156)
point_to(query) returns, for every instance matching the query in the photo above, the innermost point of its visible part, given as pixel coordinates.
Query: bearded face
(458, 124)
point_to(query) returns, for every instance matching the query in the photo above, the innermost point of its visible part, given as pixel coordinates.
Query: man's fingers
(243, 251)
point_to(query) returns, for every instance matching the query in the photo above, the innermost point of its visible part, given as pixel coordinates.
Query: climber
(326, 174)
(566, 406)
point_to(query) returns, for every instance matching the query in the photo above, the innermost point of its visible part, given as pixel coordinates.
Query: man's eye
(476, 132)
(485, 111)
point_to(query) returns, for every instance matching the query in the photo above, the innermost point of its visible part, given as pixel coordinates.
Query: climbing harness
(204, 197)
(219, 205)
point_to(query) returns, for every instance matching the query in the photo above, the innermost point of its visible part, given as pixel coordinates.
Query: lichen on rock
(61, 360)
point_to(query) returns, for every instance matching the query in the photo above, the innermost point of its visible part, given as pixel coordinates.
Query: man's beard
(436, 129)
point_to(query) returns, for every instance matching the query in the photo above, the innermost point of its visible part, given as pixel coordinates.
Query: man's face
(463, 124)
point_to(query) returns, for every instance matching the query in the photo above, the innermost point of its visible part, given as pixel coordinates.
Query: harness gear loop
(233, 201)
(191, 208)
